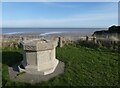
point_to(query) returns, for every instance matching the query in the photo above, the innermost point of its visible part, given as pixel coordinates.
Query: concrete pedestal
(39, 57)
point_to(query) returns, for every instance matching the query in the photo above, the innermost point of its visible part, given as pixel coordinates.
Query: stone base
(49, 71)
(34, 69)
(36, 78)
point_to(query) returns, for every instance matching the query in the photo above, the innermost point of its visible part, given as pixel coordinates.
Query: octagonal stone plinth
(39, 57)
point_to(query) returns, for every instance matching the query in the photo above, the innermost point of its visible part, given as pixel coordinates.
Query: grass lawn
(84, 67)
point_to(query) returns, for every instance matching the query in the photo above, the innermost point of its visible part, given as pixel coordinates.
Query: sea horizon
(46, 30)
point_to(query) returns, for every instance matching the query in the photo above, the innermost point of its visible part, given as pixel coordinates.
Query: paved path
(31, 78)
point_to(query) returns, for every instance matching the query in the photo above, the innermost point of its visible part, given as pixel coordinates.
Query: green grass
(83, 67)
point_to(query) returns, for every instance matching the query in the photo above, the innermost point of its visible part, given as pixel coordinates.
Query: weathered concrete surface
(31, 58)
(39, 45)
(35, 78)
(39, 56)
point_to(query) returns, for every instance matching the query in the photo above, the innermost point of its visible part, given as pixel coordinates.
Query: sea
(51, 30)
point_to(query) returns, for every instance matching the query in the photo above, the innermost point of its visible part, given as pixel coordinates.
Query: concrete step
(33, 70)
(51, 70)
(48, 71)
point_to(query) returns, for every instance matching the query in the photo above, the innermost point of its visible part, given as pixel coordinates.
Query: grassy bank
(84, 67)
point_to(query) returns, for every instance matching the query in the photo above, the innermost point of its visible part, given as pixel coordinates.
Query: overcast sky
(59, 14)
